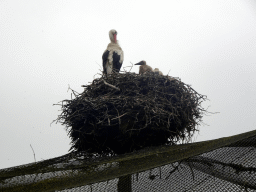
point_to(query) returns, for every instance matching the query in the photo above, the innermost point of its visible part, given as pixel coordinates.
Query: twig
(119, 116)
(33, 152)
(111, 85)
(131, 67)
(98, 64)
(128, 66)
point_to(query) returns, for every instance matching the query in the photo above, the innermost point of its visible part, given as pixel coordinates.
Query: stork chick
(144, 67)
(113, 56)
(156, 71)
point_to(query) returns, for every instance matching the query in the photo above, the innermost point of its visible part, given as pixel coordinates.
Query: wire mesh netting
(225, 164)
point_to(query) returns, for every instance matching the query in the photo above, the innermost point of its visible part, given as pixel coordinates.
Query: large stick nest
(126, 112)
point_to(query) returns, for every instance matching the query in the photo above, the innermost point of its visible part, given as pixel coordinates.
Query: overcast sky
(46, 45)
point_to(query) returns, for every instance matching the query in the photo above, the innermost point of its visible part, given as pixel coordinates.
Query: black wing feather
(116, 62)
(104, 60)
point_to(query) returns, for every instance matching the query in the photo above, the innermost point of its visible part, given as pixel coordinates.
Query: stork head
(112, 35)
(141, 63)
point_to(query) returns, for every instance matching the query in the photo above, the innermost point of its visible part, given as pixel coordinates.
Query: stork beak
(115, 37)
(140, 63)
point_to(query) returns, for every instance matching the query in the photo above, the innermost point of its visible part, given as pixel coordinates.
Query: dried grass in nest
(126, 112)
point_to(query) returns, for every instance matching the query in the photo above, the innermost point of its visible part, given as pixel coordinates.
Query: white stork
(112, 58)
(144, 67)
(156, 71)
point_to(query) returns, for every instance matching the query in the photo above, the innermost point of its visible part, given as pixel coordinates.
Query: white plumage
(113, 56)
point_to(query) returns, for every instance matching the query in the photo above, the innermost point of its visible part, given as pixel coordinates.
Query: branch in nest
(112, 86)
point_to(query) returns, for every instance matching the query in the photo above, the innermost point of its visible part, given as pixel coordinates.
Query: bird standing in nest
(113, 56)
(144, 67)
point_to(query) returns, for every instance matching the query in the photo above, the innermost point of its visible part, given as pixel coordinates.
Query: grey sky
(47, 45)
